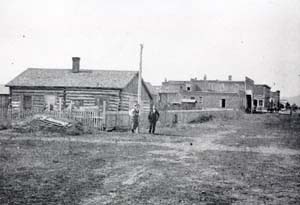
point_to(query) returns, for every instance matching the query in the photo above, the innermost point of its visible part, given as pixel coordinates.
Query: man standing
(153, 117)
(134, 115)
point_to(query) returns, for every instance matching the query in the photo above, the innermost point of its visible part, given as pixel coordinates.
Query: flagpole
(140, 84)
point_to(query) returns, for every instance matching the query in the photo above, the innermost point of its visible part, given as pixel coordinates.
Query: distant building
(4, 91)
(4, 101)
(4, 96)
(38, 88)
(202, 94)
(262, 97)
(275, 99)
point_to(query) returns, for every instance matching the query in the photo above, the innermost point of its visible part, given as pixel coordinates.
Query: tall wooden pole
(140, 84)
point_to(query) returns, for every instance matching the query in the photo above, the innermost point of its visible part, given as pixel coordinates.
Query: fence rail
(92, 119)
(112, 119)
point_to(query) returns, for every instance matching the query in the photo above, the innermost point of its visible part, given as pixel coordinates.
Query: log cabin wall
(127, 101)
(90, 98)
(37, 95)
(128, 96)
(4, 101)
(94, 97)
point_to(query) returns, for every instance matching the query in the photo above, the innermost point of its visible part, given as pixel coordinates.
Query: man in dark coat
(153, 117)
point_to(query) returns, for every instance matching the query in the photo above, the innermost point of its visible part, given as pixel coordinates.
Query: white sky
(182, 38)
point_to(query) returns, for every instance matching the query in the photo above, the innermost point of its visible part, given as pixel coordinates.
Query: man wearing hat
(153, 118)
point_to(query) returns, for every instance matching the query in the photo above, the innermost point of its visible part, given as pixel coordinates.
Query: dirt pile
(49, 124)
(202, 118)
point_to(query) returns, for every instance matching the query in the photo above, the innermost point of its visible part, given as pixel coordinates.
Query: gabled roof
(262, 85)
(152, 89)
(115, 79)
(4, 90)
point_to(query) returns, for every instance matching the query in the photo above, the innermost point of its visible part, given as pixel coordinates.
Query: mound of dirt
(49, 124)
(202, 118)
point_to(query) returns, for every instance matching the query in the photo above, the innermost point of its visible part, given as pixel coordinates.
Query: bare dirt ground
(251, 160)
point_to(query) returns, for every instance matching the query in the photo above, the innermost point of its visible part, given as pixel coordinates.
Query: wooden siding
(3, 101)
(127, 101)
(38, 99)
(90, 96)
(132, 87)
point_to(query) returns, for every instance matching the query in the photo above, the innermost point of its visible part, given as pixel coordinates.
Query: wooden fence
(93, 119)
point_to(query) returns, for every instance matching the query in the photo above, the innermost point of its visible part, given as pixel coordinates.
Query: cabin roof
(152, 89)
(262, 85)
(117, 79)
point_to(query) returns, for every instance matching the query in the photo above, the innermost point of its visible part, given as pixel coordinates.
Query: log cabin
(4, 102)
(54, 89)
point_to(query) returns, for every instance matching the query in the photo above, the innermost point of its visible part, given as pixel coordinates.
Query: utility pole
(140, 85)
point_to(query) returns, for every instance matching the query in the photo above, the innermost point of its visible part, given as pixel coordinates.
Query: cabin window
(188, 88)
(50, 102)
(223, 103)
(200, 99)
(261, 103)
(192, 98)
(78, 103)
(27, 103)
(99, 101)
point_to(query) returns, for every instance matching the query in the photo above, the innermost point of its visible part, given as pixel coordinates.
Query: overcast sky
(182, 39)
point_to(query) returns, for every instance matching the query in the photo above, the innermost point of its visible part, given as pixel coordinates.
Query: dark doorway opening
(248, 103)
(254, 104)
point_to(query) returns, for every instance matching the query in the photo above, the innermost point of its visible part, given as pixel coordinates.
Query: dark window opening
(78, 103)
(223, 103)
(255, 102)
(200, 99)
(27, 104)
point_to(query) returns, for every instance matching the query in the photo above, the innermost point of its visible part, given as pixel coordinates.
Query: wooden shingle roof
(115, 79)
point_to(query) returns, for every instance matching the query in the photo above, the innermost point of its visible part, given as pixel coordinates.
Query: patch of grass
(182, 165)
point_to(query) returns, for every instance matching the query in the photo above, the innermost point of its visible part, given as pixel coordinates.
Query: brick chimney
(205, 77)
(230, 77)
(76, 64)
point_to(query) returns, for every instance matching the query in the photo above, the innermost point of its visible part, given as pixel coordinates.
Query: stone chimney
(230, 77)
(76, 64)
(205, 77)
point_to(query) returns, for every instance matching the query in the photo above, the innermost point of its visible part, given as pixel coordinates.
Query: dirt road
(252, 160)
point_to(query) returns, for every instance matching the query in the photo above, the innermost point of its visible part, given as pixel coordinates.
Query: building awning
(188, 101)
